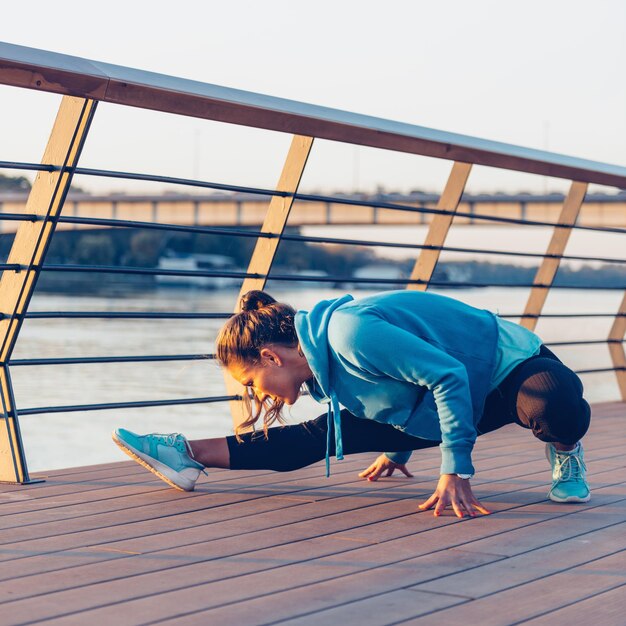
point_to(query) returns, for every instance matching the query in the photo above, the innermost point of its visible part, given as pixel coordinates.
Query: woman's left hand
(455, 491)
(383, 464)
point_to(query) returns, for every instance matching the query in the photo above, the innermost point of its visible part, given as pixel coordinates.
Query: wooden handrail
(59, 73)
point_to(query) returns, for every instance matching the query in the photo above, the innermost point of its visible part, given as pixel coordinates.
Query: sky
(544, 74)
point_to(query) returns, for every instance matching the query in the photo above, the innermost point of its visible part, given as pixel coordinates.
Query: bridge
(107, 544)
(393, 209)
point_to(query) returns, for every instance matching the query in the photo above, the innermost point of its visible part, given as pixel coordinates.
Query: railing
(84, 83)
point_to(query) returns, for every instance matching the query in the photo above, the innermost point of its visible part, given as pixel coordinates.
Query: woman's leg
(291, 447)
(211, 452)
(543, 395)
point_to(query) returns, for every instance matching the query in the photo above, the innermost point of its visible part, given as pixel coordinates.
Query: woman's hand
(381, 464)
(455, 491)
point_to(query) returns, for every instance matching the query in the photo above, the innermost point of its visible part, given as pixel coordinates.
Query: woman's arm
(383, 349)
(374, 345)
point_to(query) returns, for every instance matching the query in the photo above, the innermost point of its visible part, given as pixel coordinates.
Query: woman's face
(279, 375)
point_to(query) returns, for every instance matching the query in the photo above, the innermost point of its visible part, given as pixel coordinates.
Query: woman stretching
(411, 369)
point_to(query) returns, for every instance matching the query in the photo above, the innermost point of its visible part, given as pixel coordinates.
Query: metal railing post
(439, 226)
(29, 250)
(550, 264)
(265, 249)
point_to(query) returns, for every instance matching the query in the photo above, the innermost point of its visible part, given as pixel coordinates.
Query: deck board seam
(455, 546)
(565, 606)
(296, 541)
(378, 488)
(408, 587)
(374, 595)
(374, 490)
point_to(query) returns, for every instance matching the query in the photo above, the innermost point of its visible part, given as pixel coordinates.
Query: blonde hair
(261, 321)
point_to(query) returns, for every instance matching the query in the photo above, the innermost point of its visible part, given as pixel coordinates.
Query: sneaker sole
(569, 498)
(158, 469)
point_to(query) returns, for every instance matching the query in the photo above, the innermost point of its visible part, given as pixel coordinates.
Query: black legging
(541, 394)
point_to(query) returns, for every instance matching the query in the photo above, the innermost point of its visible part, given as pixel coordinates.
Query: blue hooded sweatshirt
(416, 360)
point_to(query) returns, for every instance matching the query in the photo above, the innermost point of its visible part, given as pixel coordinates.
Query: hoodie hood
(312, 331)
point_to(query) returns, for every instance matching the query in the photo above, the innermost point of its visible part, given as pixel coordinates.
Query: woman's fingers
(479, 507)
(440, 507)
(429, 503)
(380, 465)
(372, 472)
(457, 507)
(405, 471)
(462, 507)
(366, 472)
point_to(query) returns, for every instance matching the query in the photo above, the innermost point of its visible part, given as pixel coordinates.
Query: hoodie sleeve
(383, 349)
(401, 458)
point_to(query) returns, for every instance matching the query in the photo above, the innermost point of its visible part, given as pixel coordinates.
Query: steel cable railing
(303, 197)
(125, 405)
(224, 231)
(248, 233)
(148, 271)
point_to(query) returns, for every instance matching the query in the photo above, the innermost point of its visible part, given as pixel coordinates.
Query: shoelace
(569, 467)
(169, 440)
(172, 439)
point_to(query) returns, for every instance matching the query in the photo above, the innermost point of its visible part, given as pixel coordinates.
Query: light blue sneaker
(568, 475)
(167, 456)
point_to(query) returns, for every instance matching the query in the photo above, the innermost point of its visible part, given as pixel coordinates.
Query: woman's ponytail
(255, 300)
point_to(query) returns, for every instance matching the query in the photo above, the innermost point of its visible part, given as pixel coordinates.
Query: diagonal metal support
(550, 264)
(265, 249)
(439, 226)
(29, 250)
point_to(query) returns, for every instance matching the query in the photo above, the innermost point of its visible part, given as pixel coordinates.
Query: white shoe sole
(569, 498)
(164, 472)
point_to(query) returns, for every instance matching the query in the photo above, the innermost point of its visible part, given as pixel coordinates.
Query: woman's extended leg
(180, 462)
(291, 447)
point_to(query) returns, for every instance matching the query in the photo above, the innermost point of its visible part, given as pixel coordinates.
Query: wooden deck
(110, 545)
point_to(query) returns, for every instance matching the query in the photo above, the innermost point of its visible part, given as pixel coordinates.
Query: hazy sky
(546, 74)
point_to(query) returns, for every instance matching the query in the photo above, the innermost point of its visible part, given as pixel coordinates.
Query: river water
(81, 438)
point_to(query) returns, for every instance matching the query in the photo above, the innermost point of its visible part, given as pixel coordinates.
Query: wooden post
(265, 249)
(618, 355)
(550, 264)
(439, 226)
(28, 250)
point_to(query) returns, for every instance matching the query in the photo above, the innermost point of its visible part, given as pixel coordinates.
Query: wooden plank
(302, 594)
(389, 608)
(265, 249)
(133, 545)
(363, 553)
(607, 608)
(552, 598)
(439, 226)
(288, 486)
(327, 494)
(534, 564)
(616, 350)
(550, 264)
(224, 571)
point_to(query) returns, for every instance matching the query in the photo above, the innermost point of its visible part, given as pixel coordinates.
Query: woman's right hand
(383, 464)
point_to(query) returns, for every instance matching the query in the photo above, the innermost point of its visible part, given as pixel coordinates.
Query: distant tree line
(14, 183)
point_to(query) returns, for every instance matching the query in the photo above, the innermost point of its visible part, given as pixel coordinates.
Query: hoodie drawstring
(334, 419)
